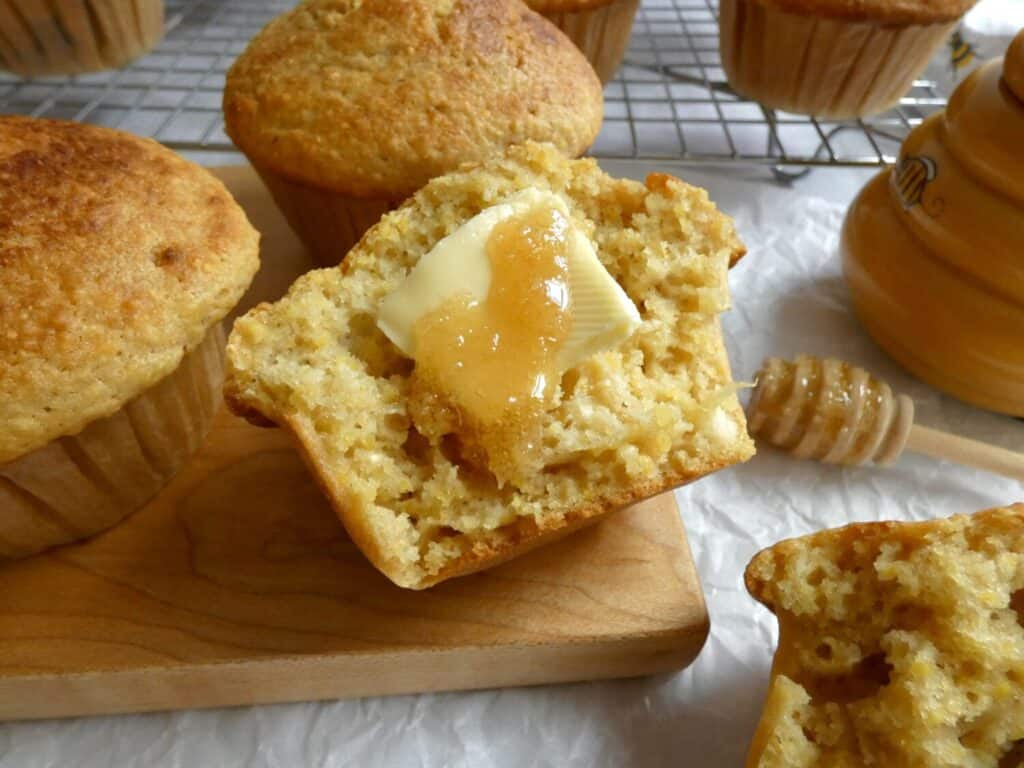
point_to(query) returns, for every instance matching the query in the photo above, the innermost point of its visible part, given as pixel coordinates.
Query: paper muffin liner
(64, 37)
(602, 33)
(327, 223)
(823, 67)
(79, 485)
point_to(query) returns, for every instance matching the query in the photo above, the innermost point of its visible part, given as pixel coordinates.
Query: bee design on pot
(961, 53)
(912, 174)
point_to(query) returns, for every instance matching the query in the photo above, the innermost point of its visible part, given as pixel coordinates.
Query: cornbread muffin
(118, 259)
(900, 644)
(838, 59)
(600, 28)
(65, 37)
(655, 412)
(347, 107)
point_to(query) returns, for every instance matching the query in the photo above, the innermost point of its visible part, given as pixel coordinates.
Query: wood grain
(237, 585)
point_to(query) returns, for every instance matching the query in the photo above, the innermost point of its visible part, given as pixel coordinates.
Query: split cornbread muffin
(900, 645)
(577, 367)
(118, 260)
(347, 107)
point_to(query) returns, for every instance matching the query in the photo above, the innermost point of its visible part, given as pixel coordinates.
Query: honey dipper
(834, 412)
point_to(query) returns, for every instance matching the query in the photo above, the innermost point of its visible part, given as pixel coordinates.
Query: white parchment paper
(789, 297)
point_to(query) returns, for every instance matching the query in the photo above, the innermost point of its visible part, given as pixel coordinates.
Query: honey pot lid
(1013, 66)
(984, 122)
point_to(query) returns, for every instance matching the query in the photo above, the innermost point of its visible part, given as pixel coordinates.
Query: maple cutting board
(237, 585)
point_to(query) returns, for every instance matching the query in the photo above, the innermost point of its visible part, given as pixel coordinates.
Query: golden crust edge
(759, 571)
(492, 551)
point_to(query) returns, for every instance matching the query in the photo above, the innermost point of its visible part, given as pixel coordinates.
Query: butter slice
(602, 314)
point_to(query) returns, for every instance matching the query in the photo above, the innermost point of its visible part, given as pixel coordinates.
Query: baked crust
(900, 644)
(762, 574)
(876, 11)
(374, 98)
(116, 257)
(496, 547)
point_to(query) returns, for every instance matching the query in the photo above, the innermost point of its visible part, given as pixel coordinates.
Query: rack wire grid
(670, 100)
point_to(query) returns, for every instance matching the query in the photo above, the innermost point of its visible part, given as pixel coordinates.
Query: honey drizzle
(491, 364)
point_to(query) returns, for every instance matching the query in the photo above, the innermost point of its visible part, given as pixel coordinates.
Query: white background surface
(789, 297)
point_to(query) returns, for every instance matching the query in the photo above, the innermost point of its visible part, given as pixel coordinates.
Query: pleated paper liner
(601, 33)
(824, 67)
(79, 485)
(64, 37)
(327, 223)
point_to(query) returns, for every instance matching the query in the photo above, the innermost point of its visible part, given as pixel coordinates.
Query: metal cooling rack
(670, 101)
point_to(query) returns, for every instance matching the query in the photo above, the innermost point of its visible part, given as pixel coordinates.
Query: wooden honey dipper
(834, 412)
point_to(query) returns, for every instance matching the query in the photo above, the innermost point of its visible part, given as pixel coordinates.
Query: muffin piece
(118, 260)
(65, 37)
(838, 59)
(600, 28)
(347, 107)
(900, 644)
(655, 412)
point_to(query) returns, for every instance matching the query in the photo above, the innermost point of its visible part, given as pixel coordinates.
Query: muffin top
(372, 98)
(116, 256)
(880, 11)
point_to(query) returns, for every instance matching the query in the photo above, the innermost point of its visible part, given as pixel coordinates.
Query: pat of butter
(602, 314)
(722, 426)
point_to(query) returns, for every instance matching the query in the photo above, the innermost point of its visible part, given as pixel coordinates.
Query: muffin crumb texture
(656, 412)
(900, 644)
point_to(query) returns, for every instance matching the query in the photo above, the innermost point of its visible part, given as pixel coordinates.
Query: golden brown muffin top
(373, 98)
(116, 256)
(879, 11)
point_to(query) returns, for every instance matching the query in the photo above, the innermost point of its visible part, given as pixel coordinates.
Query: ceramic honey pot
(933, 249)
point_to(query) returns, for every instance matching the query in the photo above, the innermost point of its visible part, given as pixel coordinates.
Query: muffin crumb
(900, 644)
(633, 421)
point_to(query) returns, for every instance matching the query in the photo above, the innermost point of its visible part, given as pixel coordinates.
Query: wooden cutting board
(237, 585)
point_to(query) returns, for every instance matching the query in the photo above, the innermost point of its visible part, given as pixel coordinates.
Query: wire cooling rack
(669, 101)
